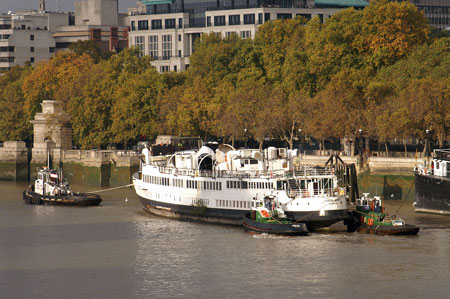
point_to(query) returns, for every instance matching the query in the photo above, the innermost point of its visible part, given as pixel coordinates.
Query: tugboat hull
(274, 228)
(406, 229)
(432, 194)
(75, 199)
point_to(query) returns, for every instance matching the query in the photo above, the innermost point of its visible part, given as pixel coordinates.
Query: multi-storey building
(35, 35)
(167, 29)
(24, 38)
(437, 12)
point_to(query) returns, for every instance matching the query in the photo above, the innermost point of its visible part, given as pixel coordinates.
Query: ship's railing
(280, 174)
(313, 171)
(304, 193)
(222, 173)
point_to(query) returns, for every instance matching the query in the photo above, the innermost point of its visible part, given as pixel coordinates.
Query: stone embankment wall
(372, 164)
(14, 161)
(85, 167)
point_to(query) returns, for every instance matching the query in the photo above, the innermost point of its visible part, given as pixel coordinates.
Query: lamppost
(300, 140)
(427, 143)
(245, 136)
(360, 148)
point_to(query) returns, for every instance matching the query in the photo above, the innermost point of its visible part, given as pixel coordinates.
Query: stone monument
(52, 132)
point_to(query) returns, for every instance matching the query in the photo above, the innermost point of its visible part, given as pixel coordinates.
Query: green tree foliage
(13, 122)
(376, 69)
(89, 47)
(391, 30)
(134, 113)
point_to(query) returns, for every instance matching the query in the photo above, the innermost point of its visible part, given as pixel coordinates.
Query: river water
(119, 251)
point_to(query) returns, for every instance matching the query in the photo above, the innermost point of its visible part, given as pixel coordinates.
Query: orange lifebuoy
(370, 221)
(264, 213)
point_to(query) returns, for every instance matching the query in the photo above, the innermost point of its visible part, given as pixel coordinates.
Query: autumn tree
(134, 112)
(89, 47)
(390, 31)
(14, 124)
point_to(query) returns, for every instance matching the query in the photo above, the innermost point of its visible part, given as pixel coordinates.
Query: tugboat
(266, 217)
(52, 188)
(372, 219)
(433, 185)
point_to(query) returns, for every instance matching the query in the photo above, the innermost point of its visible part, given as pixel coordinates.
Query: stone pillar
(52, 124)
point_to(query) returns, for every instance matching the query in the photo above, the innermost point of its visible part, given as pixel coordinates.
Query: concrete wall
(14, 161)
(96, 12)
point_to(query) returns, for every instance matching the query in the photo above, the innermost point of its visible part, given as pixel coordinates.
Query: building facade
(24, 38)
(167, 30)
(35, 35)
(436, 11)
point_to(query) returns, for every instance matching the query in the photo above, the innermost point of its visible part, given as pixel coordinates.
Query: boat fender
(370, 221)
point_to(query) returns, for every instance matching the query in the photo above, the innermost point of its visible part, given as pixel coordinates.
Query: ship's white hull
(217, 201)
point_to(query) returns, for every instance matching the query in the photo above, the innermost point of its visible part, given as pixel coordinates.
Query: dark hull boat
(274, 227)
(73, 199)
(406, 229)
(432, 194)
(433, 184)
(370, 218)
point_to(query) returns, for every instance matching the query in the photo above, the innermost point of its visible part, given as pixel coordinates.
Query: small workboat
(372, 219)
(52, 188)
(265, 217)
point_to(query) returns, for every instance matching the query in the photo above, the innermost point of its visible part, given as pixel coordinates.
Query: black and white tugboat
(433, 184)
(267, 217)
(52, 188)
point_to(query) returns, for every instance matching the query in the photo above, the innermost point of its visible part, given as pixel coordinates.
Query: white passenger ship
(221, 186)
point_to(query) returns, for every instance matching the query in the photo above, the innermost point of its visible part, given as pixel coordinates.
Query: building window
(167, 46)
(7, 49)
(179, 37)
(208, 21)
(180, 23)
(170, 23)
(32, 49)
(32, 37)
(6, 59)
(139, 43)
(246, 34)
(305, 15)
(249, 19)
(266, 17)
(175, 68)
(284, 16)
(156, 24)
(179, 53)
(31, 59)
(5, 26)
(260, 18)
(153, 46)
(143, 25)
(133, 26)
(234, 20)
(230, 33)
(4, 36)
(219, 21)
(51, 50)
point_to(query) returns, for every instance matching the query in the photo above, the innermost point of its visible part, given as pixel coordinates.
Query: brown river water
(119, 251)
